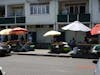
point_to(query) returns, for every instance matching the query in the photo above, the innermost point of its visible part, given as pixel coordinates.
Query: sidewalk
(43, 52)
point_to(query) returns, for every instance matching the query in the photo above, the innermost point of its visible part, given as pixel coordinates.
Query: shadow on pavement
(84, 56)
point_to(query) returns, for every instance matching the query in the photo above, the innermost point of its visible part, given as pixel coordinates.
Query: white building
(39, 16)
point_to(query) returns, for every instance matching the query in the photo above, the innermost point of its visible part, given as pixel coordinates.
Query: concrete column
(91, 12)
(54, 27)
(26, 8)
(6, 10)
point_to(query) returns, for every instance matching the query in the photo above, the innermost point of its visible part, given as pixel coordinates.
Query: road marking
(86, 67)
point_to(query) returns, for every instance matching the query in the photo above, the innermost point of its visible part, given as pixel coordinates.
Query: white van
(1, 72)
(95, 49)
(97, 70)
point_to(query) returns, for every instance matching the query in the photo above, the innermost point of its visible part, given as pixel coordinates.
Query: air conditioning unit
(43, 1)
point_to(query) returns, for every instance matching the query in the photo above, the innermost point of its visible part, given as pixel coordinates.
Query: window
(71, 10)
(82, 9)
(18, 11)
(39, 8)
(2, 11)
(76, 8)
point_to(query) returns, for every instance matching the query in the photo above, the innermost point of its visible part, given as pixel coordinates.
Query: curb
(52, 55)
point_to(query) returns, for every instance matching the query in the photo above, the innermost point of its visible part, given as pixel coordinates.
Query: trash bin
(75, 49)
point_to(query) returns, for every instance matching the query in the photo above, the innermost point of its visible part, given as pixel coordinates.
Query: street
(44, 65)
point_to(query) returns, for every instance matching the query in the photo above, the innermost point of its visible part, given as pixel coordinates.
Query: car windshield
(97, 48)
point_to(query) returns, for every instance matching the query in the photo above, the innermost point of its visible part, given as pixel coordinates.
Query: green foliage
(50, 47)
(66, 49)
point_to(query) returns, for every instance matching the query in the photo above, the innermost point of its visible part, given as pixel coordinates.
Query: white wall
(40, 32)
(11, 1)
(40, 19)
(95, 11)
(50, 19)
(35, 19)
(40, 37)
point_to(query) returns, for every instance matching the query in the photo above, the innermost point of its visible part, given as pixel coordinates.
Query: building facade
(39, 16)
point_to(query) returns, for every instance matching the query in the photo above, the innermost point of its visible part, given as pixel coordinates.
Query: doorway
(33, 35)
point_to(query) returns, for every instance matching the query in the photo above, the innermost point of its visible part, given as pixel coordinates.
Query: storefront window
(39, 8)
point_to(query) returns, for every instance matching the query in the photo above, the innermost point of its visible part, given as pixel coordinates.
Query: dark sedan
(4, 49)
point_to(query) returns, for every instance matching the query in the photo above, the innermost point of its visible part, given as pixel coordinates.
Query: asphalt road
(43, 65)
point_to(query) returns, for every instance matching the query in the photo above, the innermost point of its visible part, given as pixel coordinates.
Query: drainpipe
(56, 9)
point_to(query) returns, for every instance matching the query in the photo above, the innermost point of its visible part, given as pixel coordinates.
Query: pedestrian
(72, 43)
(30, 38)
(86, 39)
(1, 38)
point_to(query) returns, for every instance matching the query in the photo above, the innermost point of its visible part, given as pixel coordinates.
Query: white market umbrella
(52, 33)
(76, 26)
(5, 31)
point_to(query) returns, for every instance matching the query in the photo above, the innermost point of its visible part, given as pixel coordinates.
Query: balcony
(74, 17)
(62, 18)
(12, 20)
(20, 19)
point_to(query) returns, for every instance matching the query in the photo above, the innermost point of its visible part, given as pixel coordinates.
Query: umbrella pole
(75, 36)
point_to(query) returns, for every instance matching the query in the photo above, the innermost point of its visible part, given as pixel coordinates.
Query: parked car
(4, 49)
(97, 70)
(96, 50)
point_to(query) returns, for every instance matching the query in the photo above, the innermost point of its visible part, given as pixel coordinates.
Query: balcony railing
(74, 17)
(62, 18)
(20, 19)
(12, 20)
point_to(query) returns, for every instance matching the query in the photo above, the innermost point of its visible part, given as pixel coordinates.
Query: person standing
(1, 38)
(65, 11)
(30, 38)
(72, 43)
